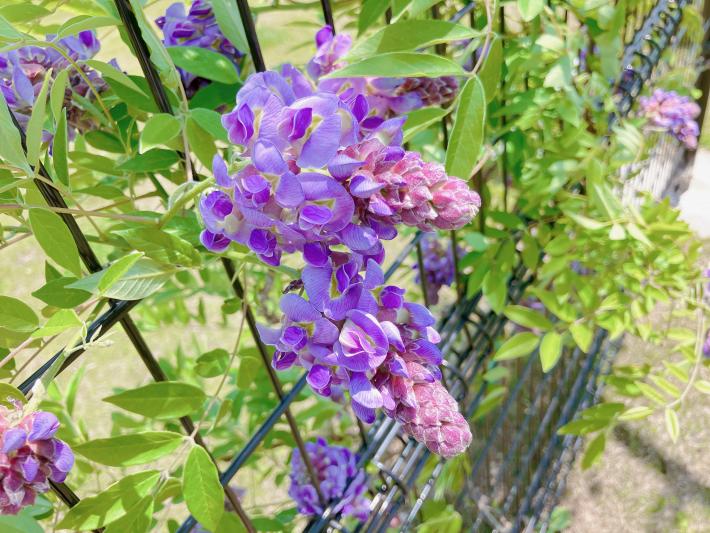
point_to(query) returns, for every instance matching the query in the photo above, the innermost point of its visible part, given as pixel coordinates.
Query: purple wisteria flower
(198, 27)
(674, 114)
(23, 71)
(30, 457)
(387, 97)
(334, 466)
(439, 267)
(314, 174)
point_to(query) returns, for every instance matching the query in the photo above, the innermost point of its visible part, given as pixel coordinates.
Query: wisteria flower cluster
(30, 457)
(387, 97)
(198, 27)
(334, 467)
(439, 266)
(675, 114)
(309, 177)
(23, 71)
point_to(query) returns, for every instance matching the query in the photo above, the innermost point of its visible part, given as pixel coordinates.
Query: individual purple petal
(322, 144)
(316, 254)
(214, 242)
(13, 439)
(363, 392)
(364, 187)
(268, 335)
(366, 414)
(342, 166)
(318, 377)
(44, 426)
(268, 159)
(283, 360)
(219, 169)
(298, 309)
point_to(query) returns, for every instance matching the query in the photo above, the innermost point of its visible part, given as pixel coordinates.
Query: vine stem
(80, 212)
(487, 42)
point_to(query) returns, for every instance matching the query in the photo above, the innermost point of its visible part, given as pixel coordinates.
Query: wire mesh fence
(518, 461)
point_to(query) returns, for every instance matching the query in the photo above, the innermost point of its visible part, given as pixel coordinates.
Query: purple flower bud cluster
(439, 267)
(198, 27)
(675, 114)
(23, 71)
(310, 177)
(30, 457)
(387, 97)
(334, 466)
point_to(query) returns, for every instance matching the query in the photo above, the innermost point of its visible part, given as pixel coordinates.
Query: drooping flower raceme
(387, 97)
(439, 267)
(198, 27)
(23, 71)
(334, 466)
(312, 174)
(673, 113)
(30, 457)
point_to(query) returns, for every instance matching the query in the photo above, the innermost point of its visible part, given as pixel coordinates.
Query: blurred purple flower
(675, 114)
(334, 466)
(198, 27)
(23, 71)
(439, 267)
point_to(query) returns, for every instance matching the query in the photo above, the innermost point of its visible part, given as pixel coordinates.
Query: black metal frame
(466, 356)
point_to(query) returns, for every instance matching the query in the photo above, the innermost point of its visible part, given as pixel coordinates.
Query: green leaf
(529, 9)
(16, 315)
(248, 369)
(527, 317)
(703, 386)
(111, 504)
(137, 518)
(211, 122)
(141, 280)
(550, 350)
(161, 246)
(84, 22)
(466, 136)
(158, 130)
(153, 160)
(20, 523)
(129, 450)
(58, 92)
(490, 73)
(23, 12)
(495, 290)
(517, 346)
(59, 149)
(62, 320)
(116, 270)
(212, 364)
(416, 7)
(672, 424)
(204, 495)
(420, 119)
(594, 451)
(158, 55)
(230, 23)
(11, 147)
(636, 413)
(205, 63)
(201, 142)
(95, 162)
(36, 124)
(582, 335)
(8, 392)
(7, 32)
(55, 239)
(370, 11)
(57, 293)
(400, 64)
(409, 35)
(109, 72)
(163, 400)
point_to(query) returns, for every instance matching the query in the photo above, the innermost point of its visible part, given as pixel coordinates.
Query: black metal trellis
(530, 470)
